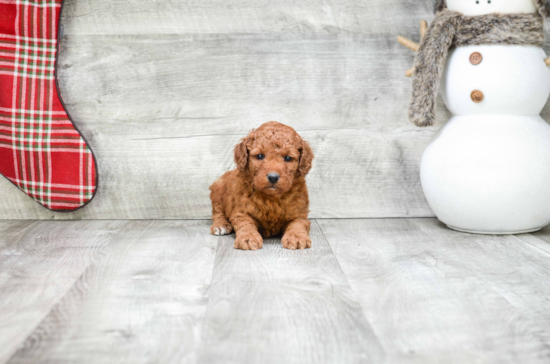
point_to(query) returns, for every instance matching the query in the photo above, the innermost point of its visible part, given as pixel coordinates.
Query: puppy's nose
(273, 177)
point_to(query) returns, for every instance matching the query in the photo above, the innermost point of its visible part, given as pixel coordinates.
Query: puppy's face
(273, 166)
(273, 155)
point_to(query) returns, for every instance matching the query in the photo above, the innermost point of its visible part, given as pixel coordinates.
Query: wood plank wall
(164, 89)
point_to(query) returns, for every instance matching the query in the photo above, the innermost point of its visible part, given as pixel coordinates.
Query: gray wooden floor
(370, 291)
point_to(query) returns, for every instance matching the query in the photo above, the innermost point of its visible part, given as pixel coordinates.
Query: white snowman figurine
(487, 170)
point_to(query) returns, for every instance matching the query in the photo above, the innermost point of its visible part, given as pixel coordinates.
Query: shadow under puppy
(267, 193)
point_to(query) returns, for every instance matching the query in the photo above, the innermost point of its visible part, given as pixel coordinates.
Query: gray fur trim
(452, 29)
(543, 6)
(439, 5)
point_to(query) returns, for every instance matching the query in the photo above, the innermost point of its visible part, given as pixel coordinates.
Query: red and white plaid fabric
(41, 152)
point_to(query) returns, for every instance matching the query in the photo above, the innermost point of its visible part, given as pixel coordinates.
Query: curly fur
(452, 29)
(245, 201)
(543, 6)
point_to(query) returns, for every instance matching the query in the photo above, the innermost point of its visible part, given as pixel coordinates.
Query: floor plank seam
(61, 297)
(546, 252)
(42, 320)
(207, 306)
(355, 293)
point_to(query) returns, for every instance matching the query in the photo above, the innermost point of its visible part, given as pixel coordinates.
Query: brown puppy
(267, 193)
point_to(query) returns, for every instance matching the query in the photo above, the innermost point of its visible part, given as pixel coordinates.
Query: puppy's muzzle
(273, 177)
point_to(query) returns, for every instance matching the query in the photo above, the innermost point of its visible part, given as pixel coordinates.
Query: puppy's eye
(288, 158)
(260, 156)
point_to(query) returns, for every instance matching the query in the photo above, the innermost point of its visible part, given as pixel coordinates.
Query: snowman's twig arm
(408, 43)
(412, 45)
(547, 61)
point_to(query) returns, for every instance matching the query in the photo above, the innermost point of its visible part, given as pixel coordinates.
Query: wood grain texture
(163, 114)
(434, 295)
(142, 302)
(383, 291)
(243, 16)
(282, 306)
(163, 89)
(39, 263)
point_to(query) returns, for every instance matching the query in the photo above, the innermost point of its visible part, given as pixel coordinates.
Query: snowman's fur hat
(542, 5)
(453, 29)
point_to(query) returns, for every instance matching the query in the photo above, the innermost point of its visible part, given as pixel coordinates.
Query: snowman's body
(488, 169)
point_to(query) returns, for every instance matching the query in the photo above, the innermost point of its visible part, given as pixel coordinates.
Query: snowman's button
(477, 96)
(476, 58)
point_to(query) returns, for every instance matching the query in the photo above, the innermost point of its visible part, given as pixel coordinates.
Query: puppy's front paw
(295, 241)
(221, 228)
(249, 241)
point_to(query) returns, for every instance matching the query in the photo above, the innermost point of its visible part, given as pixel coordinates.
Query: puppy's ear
(241, 153)
(306, 158)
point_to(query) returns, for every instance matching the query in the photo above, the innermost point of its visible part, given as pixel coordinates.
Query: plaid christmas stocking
(41, 151)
